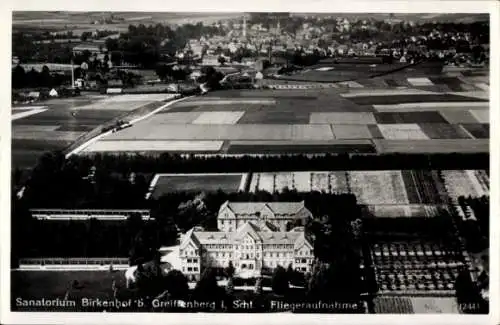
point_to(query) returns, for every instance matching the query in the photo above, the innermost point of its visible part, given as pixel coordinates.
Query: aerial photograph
(250, 162)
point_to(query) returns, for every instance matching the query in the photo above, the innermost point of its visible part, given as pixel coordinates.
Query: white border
(247, 6)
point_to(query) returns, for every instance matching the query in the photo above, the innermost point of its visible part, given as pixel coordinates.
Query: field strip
(420, 82)
(474, 182)
(482, 116)
(33, 128)
(46, 135)
(433, 105)
(483, 86)
(157, 145)
(27, 108)
(432, 146)
(198, 174)
(219, 117)
(243, 181)
(466, 131)
(409, 131)
(24, 114)
(228, 102)
(387, 92)
(473, 94)
(302, 143)
(102, 135)
(342, 118)
(351, 84)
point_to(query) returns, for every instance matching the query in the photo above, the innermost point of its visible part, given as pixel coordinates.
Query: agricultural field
(58, 123)
(419, 267)
(466, 183)
(168, 183)
(401, 211)
(329, 182)
(378, 187)
(340, 119)
(423, 187)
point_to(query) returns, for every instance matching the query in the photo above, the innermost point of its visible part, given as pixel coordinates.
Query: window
(303, 269)
(183, 269)
(190, 269)
(303, 260)
(195, 269)
(250, 266)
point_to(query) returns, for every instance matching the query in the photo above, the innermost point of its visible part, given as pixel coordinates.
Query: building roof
(293, 237)
(280, 208)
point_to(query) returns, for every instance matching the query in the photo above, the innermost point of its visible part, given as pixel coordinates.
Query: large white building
(252, 240)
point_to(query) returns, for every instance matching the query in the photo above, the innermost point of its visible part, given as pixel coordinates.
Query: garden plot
(482, 116)
(342, 118)
(302, 181)
(159, 145)
(262, 182)
(320, 181)
(218, 118)
(330, 182)
(284, 180)
(398, 211)
(402, 132)
(463, 183)
(378, 187)
(351, 131)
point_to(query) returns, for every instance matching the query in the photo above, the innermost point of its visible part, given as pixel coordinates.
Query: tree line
(175, 163)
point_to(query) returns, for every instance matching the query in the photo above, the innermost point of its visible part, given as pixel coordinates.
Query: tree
(18, 77)
(230, 270)
(45, 77)
(221, 60)
(230, 287)
(207, 288)
(177, 284)
(279, 281)
(258, 286)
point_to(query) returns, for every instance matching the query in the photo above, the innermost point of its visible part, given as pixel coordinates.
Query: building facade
(251, 243)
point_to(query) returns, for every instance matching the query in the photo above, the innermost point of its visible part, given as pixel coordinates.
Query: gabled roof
(248, 228)
(189, 236)
(254, 207)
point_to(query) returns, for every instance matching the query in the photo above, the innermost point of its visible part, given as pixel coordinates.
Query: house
(91, 47)
(233, 215)
(251, 248)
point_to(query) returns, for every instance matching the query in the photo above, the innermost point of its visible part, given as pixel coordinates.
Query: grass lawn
(197, 183)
